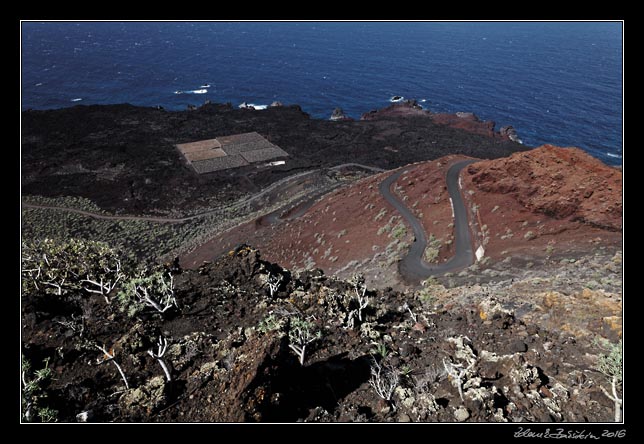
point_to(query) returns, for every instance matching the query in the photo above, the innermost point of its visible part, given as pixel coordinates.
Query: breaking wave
(192, 91)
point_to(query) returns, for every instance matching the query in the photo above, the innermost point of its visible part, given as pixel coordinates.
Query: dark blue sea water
(557, 83)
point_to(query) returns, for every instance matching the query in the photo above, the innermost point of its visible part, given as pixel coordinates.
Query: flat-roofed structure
(231, 151)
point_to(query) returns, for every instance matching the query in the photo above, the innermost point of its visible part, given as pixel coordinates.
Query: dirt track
(195, 216)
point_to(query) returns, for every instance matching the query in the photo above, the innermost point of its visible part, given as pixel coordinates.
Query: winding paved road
(412, 266)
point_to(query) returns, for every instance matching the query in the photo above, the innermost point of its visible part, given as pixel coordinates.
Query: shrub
(431, 254)
(433, 248)
(384, 380)
(155, 290)
(301, 334)
(380, 350)
(384, 229)
(611, 365)
(426, 297)
(380, 215)
(399, 231)
(33, 393)
(271, 323)
(529, 235)
(56, 267)
(360, 301)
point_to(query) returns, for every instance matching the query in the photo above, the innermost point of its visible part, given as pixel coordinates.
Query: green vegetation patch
(34, 394)
(399, 231)
(433, 248)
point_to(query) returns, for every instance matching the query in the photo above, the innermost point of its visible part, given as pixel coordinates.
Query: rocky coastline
(466, 121)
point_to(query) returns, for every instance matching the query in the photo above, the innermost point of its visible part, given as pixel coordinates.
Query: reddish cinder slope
(352, 229)
(344, 229)
(356, 230)
(543, 199)
(564, 183)
(546, 202)
(424, 190)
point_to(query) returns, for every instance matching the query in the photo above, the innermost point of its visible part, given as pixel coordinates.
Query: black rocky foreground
(231, 355)
(123, 157)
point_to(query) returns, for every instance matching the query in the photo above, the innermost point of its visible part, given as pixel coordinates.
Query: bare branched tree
(57, 285)
(62, 266)
(109, 356)
(162, 345)
(458, 372)
(384, 380)
(301, 334)
(274, 282)
(360, 289)
(615, 398)
(408, 308)
(106, 280)
(611, 366)
(33, 274)
(351, 319)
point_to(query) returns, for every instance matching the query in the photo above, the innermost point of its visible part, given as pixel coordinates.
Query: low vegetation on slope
(242, 339)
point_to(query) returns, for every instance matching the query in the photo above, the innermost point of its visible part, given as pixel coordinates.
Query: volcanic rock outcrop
(466, 121)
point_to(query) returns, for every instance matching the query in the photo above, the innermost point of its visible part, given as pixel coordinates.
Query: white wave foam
(395, 99)
(206, 85)
(614, 155)
(78, 99)
(38, 84)
(192, 91)
(423, 100)
(244, 105)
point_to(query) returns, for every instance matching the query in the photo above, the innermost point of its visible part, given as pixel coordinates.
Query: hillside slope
(540, 205)
(229, 355)
(544, 202)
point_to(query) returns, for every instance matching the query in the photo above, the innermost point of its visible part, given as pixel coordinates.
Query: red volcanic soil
(342, 227)
(536, 204)
(352, 229)
(424, 191)
(355, 229)
(349, 230)
(546, 201)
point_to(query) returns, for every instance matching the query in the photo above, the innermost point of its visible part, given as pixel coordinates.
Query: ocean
(555, 82)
